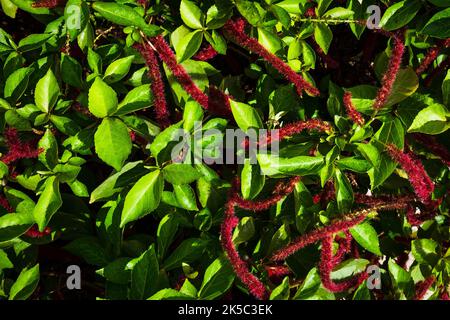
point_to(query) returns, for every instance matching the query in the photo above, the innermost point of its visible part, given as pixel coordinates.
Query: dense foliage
(354, 205)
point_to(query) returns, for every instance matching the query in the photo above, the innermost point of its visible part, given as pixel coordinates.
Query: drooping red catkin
(431, 55)
(206, 53)
(418, 177)
(235, 29)
(277, 271)
(415, 219)
(168, 57)
(345, 245)
(326, 267)
(219, 102)
(434, 146)
(346, 223)
(423, 286)
(50, 4)
(295, 128)
(157, 84)
(387, 82)
(5, 204)
(444, 65)
(351, 110)
(16, 148)
(281, 191)
(254, 285)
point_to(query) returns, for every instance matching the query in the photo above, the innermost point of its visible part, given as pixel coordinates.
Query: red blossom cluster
(50, 4)
(387, 82)
(157, 85)
(17, 149)
(236, 29)
(351, 110)
(418, 177)
(431, 55)
(206, 53)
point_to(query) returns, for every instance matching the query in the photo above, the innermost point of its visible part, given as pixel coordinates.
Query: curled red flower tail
(351, 110)
(418, 177)
(237, 32)
(168, 57)
(387, 82)
(431, 55)
(345, 245)
(423, 286)
(326, 267)
(17, 149)
(281, 191)
(275, 272)
(206, 53)
(157, 84)
(50, 4)
(254, 285)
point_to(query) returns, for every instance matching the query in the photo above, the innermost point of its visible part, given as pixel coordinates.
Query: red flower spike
(219, 102)
(17, 149)
(445, 295)
(418, 177)
(205, 54)
(157, 84)
(50, 4)
(431, 143)
(444, 65)
(277, 271)
(236, 30)
(346, 223)
(326, 267)
(390, 75)
(168, 57)
(254, 285)
(431, 55)
(34, 232)
(423, 287)
(345, 245)
(351, 111)
(5, 204)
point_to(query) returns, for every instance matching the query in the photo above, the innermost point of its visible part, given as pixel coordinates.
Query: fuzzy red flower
(166, 54)
(50, 4)
(205, 54)
(236, 30)
(351, 110)
(387, 82)
(423, 286)
(17, 148)
(431, 143)
(157, 84)
(431, 55)
(418, 177)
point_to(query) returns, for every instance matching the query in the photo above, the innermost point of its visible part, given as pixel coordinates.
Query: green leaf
(338, 13)
(117, 70)
(282, 291)
(129, 173)
(5, 263)
(48, 204)
(9, 8)
(219, 277)
(137, 99)
(178, 173)
(246, 117)
(71, 71)
(15, 224)
(322, 6)
(33, 41)
(102, 99)
(185, 196)
(25, 284)
(249, 10)
(401, 278)
(437, 26)
(269, 40)
(323, 36)
(344, 192)
(17, 83)
(49, 154)
(191, 15)
(116, 271)
(90, 249)
(272, 165)
(125, 16)
(112, 142)
(431, 120)
(192, 115)
(400, 14)
(446, 89)
(244, 231)
(143, 198)
(425, 251)
(76, 15)
(144, 275)
(252, 180)
(405, 84)
(282, 15)
(189, 45)
(349, 268)
(188, 251)
(367, 237)
(165, 234)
